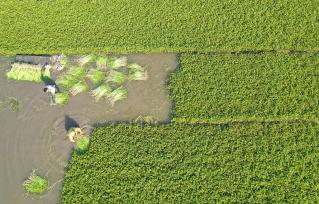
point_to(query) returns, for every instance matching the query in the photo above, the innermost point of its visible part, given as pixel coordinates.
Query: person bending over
(51, 90)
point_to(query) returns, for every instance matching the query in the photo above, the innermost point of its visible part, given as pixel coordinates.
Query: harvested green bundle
(96, 76)
(35, 184)
(79, 87)
(27, 72)
(64, 60)
(71, 78)
(62, 98)
(116, 62)
(116, 77)
(135, 66)
(102, 90)
(118, 95)
(86, 59)
(101, 62)
(82, 143)
(137, 75)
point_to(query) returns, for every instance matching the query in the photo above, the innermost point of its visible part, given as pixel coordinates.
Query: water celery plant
(27, 72)
(116, 77)
(102, 90)
(35, 184)
(118, 95)
(79, 87)
(135, 66)
(137, 75)
(64, 60)
(96, 76)
(116, 62)
(72, 77)
(62, 98)
(101, 62)
(86, 59)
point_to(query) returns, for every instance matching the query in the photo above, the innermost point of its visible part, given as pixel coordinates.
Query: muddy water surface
(34, 138)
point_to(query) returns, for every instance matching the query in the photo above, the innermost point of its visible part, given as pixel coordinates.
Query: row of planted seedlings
(103, 76)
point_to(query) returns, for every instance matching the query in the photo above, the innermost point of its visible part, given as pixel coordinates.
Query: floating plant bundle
(86, 59)
(60, 62)
(117, 95)
(135, 66)
(62, 98)
(116, 77)
(96, 76)
(27, 72)
(71, 78)
(35, 184)
(82, 143)
(64, 59)
(101, 62)
(116, 62)
(79, 87)
(137, 75)
(101, 91)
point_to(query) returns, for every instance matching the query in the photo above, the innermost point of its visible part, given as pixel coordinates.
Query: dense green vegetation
(141, 26)
(35, 184)
(187, 164)
(260, 87)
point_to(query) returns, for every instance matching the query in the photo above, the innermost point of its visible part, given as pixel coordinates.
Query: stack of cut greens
(35, 184)
(28, 72)
(102, 76)
(62, 98)
(101, 91)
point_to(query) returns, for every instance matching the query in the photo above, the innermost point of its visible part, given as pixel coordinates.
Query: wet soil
(35, 137)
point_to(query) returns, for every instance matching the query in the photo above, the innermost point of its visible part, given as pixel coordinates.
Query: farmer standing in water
(51, 89)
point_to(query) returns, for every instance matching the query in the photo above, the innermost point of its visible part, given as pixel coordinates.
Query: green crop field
(260, 87)
(153, 26)
(245, 97)
(197, 164)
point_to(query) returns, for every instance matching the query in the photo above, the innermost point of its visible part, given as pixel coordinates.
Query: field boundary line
(241, 122)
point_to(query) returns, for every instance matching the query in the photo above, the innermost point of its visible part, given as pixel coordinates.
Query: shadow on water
(69, 123)
(168, 85)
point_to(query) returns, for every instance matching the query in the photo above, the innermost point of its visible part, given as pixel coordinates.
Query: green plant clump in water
(79, 87)
(27, 72)
(117, 95)
(82, 143)
(62, 98)
(137, 75)
(116, 62)
(101, 62)
(86, 59)
(72, 77)
(35, 184)
(96, 76)
(135, 66)
(101, 91)
(116, 77)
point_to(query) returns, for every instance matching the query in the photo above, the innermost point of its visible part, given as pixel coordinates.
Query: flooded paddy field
(35, 136)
